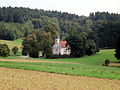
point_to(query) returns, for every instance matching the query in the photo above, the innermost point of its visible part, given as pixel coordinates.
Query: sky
(79, 7)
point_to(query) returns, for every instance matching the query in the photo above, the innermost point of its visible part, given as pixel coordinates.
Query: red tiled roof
(63, 44)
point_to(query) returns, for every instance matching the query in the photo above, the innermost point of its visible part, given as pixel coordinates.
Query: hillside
(12, 44)
(18, 22)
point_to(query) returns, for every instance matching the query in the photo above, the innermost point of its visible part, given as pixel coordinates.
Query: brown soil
(115, 64)
(29, 60)
(14, 79)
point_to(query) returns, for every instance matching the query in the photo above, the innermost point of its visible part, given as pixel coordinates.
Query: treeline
(101, 27)
(21, 15)
(104, 16)
(13, 31)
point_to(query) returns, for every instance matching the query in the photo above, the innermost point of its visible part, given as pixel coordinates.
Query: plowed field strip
(15, 79)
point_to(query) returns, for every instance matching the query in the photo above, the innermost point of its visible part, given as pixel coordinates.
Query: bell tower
(57, 40)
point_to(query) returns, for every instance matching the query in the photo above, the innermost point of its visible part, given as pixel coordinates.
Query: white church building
(61, 47)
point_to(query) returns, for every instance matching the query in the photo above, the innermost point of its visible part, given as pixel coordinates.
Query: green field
(89, 65)
(67, 69)
(97, 59)
(11, 44)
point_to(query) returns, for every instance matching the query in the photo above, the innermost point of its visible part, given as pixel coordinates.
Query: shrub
(117, 50)
(15, 49)
(107, 62)
(34, 53)
(4, 50)
(61, 56)
(24, 51)
(47, 52)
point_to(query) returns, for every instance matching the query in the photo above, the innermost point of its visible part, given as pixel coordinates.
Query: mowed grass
(67, 69)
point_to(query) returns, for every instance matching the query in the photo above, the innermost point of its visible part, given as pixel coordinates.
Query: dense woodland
(98, 30)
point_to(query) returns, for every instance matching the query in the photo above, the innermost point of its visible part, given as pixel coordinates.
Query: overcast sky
(80, 7)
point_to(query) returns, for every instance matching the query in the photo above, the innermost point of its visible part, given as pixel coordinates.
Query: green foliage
(26, 47)
(47, 51)
(15, 49)
(38, 41)
(91, 47)
(81, 43)
(51, 30)
(104, 16)
(107, 62)
(24, 51)
(30, 46)
(20, 22)
(109, 34)
(34, 53)
(8, 31)
(60, 56)
(117, 50)
(77, 43)
(12, 31)
(4, 50)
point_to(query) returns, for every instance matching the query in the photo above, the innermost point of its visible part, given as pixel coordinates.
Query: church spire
(57, 40)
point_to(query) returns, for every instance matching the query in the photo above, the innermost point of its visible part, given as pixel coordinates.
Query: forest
(103, 28)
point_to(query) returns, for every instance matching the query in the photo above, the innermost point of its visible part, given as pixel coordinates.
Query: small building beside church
(61, 47)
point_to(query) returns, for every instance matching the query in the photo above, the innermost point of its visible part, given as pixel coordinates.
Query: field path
(30, 60)
(15, 79)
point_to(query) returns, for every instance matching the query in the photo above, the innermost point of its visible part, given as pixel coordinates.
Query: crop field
(14, 79)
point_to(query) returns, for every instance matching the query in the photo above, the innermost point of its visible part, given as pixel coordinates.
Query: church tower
(57, 40)
(57, 43)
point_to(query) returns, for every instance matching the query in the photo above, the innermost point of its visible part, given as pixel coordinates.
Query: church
(61, 47)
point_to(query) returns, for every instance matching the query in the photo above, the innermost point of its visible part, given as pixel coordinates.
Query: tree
(17, 16)
(95, 39)
(51, 30)
(117, 50)
(77, 43)
(26, 47)
(15, 49)
(34, 53)
(47, 48)
(30, 46)
(4, 50)
(108, 34)
(38, 41)
(91, 47)
(9, 18)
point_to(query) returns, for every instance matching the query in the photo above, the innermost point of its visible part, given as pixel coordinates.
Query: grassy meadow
(11, 44)
(88, 65)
